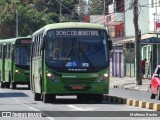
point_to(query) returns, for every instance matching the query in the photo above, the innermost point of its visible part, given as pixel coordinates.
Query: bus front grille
(77, 80)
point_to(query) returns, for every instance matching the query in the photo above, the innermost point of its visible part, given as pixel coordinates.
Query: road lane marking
(81, 109)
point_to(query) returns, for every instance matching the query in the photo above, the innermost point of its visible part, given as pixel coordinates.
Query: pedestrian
(143, 65)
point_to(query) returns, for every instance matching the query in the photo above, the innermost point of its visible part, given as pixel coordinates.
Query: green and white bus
(70, 59)
(14, 61)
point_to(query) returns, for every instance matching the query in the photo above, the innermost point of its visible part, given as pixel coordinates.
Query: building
(151, 45)
(118, 19)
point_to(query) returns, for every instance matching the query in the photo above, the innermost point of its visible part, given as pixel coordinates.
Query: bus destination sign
(80, 32)
(24, 41)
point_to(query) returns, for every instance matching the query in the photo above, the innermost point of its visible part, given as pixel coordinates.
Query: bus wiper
(67, 57)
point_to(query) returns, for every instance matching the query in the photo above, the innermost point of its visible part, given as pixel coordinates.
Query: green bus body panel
(8, 66)
(64, 84)
(2, 66)
(22, 76)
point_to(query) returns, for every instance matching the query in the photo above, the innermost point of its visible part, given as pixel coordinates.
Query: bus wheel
(80, 98)
(9, 78)
(13, 85)
(98, 98)
(8, 85)
(37, 96)
(2, 84)
(48, 98)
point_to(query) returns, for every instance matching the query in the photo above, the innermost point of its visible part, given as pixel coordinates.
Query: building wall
(117, 62)
(86, 19)
(97, 19)
(154, 10)
(143, 18)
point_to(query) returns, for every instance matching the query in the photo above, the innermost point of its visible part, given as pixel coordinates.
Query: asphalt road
(22, 100)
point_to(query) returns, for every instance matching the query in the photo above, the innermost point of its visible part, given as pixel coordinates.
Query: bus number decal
(94, 75)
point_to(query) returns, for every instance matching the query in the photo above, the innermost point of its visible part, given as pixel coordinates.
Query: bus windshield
(22, 54)
(85, 50)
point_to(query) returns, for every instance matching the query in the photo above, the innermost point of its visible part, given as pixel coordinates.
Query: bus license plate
(77, 87)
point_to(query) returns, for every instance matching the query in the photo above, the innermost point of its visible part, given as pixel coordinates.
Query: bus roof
(70, 25)
(12, 40)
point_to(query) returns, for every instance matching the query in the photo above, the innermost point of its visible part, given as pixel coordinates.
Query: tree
(32, 18)
(29, 19)
(96, 7)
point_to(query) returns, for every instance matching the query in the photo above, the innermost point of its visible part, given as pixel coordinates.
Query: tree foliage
(32, 15)
(97, 7)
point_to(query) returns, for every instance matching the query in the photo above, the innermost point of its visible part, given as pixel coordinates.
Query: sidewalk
(129, 83)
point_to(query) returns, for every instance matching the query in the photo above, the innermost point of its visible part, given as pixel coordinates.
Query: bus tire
(2, 84)
(80, 98)
(48, 98)
(9, 79)
(13, 85)
(37, 96)
(98, 98)
(7, 85)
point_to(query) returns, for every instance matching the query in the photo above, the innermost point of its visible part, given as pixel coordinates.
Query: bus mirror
(110, 44)
(43, 43)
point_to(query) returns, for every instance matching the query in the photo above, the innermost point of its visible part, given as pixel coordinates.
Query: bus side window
(34, 47)
(9, 51)
(0, 51)
(6, 51)
(40, 43)
(36, 43)
(39, 40)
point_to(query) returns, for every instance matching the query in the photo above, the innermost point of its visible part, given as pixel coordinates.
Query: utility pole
(104, 7)
(104, 11)
(137, 43)
(16, 23)
(60, 14)
(80, 10)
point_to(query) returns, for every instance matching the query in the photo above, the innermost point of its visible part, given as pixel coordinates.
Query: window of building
(119, 6)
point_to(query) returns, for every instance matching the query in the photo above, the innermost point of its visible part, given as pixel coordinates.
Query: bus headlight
(17, 71)
(102, 78)
(52, 77)
(49, 75)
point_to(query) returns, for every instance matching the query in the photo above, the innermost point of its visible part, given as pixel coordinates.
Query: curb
(132, 102)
